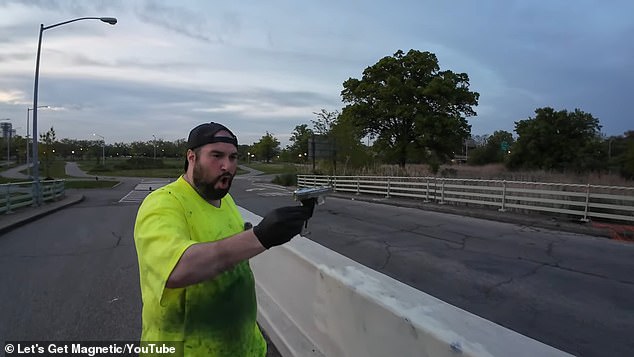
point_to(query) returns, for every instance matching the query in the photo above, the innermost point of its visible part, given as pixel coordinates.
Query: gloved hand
(281, 224)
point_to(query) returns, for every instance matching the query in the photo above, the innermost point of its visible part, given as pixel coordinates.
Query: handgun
(311, 196)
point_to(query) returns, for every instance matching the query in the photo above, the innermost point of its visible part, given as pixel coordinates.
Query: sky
(259, 66)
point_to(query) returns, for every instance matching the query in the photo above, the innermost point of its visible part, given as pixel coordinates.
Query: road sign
(504, 146)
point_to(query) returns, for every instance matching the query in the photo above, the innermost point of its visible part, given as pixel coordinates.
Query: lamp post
(103, 149)
(36, 161)
(28, 167)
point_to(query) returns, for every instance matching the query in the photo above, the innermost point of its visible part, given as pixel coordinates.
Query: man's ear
(191, 156)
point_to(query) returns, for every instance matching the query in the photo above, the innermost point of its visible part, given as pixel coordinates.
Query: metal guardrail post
(334, 184)
(427, 191)
(442, 191)
(388, 188)
(503, 208)
(585, 211)
(8, 199)
(33, 194)
(358, 185)
(315, 181)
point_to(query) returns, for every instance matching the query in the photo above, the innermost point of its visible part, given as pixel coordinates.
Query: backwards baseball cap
(206, 134)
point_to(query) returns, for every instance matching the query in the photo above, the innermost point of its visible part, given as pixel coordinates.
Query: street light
(36, 161)
(28, 167)
(103, 149)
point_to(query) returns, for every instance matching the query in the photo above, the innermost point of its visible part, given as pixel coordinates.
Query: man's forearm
(204, 261)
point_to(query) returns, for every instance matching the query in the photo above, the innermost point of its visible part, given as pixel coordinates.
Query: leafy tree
(267, 148)
(48, 139)
(300, 139)
(325, 121)
(491, 151)
(346, 138)
(406, 100)
(557, 140)
(620, 153)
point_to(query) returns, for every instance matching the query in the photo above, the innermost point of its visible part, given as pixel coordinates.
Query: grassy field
(282, 168)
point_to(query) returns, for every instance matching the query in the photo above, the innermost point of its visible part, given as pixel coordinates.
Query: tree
(346, 138)
(627, 158)
(48, 139)
(267, 148)
(558, 140)
(491, 150)
(405, 101)
(325, 121)
(299, 138)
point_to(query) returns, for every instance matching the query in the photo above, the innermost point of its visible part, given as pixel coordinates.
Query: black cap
(206, 134)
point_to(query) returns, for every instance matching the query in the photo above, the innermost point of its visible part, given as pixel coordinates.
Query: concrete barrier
(316, 302)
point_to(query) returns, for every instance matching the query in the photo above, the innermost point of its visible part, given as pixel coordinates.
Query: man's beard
(207, 189)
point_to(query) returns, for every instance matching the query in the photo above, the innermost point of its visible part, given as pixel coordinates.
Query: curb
(28, 216)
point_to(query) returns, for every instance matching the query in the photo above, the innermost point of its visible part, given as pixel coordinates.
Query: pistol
(311, 196)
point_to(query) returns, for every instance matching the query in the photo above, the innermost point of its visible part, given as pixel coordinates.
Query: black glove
(281, 224)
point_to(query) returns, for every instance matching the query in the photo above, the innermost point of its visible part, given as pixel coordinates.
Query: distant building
(7, 130)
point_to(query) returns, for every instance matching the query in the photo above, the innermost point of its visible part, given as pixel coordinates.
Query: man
(193, 251)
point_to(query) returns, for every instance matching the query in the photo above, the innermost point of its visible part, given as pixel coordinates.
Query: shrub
(285, 180)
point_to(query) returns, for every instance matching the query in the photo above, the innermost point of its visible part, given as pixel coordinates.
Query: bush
(285, 180)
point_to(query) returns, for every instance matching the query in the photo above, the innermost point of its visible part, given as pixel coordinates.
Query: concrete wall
(316, 302)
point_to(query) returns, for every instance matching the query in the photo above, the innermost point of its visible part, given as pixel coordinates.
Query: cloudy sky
(260, 66)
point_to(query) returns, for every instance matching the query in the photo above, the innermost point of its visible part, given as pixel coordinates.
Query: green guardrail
(21, 194)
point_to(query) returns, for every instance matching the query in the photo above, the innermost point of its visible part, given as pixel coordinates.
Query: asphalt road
(571, 291)
(72, 275)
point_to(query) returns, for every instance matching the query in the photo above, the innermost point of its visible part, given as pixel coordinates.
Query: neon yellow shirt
(215, 317)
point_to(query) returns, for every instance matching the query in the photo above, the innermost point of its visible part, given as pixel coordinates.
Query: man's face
(214, 168)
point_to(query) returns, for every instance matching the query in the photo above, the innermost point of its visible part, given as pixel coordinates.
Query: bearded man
(193, 249)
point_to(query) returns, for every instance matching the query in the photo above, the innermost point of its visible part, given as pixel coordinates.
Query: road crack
(389, 255)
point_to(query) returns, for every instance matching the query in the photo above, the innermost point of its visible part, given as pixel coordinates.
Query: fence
(21, 194)
(572, 200)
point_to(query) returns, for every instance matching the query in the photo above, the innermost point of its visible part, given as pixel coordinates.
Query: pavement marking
(143, 189)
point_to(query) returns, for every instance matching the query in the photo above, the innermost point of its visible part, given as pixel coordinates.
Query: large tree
(405, 100)
(267, 148)
(558, 140)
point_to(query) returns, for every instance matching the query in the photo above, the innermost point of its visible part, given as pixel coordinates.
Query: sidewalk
(25, 215)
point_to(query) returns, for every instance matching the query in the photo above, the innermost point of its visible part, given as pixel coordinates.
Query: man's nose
(224, 164)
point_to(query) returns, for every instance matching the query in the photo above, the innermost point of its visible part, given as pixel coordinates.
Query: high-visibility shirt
(212, 318)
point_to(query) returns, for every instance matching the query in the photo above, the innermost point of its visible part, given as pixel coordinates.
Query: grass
(172, 168)
(57, 169)
(90, 184)
(11, 180)
(485, 172)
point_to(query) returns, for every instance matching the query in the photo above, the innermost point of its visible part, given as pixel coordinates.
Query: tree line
(405, 109)
(414, 112)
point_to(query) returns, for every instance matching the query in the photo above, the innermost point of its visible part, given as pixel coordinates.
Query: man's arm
(204, 261)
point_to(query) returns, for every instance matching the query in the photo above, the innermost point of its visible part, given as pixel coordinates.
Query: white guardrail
(315, 302)
(20, 194)
(580, 201)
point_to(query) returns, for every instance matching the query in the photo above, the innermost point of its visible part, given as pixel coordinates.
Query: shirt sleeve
(161, 236)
